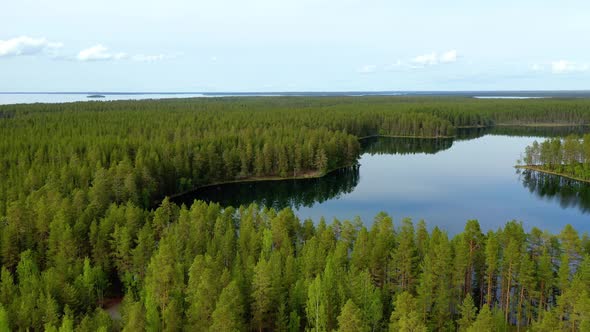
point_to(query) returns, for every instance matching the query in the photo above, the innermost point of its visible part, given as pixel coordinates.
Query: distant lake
(64, 97)
(445, 182)
(29, 98)
(508, 97)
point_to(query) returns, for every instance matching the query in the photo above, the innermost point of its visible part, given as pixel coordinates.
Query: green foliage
(78, 222)
(484, 321)
(4, 323)
(350, 319)
(468, 313)
(405, 316)
(569, 156)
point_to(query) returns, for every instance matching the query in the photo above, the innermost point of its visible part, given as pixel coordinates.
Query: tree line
(569, 156)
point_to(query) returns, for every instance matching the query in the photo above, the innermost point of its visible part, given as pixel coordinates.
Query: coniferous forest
(85, 222)
(569, 156)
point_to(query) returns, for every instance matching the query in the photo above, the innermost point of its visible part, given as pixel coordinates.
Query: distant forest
(78, 229)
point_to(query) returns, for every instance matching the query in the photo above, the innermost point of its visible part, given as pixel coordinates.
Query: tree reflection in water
(279, 194)
(569, 193)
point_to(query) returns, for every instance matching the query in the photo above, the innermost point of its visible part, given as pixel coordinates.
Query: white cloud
(561, 67)
(99, 53)
(102, 53)
(432, 59)
(564, 66)
(27, 46)
(426, 59)
(448, 57)
(367, 69)
(420, 61)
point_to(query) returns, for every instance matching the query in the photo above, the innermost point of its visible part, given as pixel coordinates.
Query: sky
(294, 45)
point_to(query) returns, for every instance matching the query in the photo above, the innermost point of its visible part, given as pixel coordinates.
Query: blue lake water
(444, 182)
(29, 98)
(61, 97)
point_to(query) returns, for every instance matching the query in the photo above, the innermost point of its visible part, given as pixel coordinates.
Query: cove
(443, 181)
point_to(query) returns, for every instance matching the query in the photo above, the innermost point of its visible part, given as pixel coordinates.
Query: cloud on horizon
(420, 61)
(561, 67)
(25, 45)
(99, 53)
(30, 46)
(564, 66)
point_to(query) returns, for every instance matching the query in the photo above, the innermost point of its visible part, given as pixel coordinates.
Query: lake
(445, 182)
(29, 98)
(65, 97)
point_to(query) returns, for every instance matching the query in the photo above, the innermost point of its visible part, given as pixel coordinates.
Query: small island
(95, 96)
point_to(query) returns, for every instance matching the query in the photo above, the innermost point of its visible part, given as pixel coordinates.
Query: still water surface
(444, 182)
(30, 98)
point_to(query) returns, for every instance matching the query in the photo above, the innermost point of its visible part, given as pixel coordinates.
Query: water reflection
(395, 145)
(443, 181)
(568, 192)
(542, 131)
(279, 194)
(522, 131)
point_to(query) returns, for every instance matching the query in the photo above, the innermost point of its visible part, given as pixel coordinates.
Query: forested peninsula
(79, 227)
(569, 157)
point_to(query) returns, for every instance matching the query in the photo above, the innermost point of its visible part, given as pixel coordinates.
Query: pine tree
(228, 314)
(484, 321)
(4, 322)
(350, 319)
(491, 261)
(367, 297)
(201, 293)
(405, 317)
(405, 256)
(262, 294)
(133, 316)
(315, 308)
(468, 313)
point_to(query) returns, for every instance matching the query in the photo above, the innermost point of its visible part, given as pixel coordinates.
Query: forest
(84, 221)
(569, 156)
(208, 268)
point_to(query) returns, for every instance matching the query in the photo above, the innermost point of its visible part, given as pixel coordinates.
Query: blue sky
(294, 45)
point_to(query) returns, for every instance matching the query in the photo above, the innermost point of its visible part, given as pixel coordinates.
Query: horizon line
(294, 92)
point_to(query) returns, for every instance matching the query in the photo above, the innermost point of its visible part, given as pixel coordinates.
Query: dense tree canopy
(79, 227)
(209, 268)
(569, 156)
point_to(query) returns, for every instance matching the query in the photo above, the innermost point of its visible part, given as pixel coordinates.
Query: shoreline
(307, 175)
(317, 174)
(404, 136)
(538, 169)
(541, 125)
